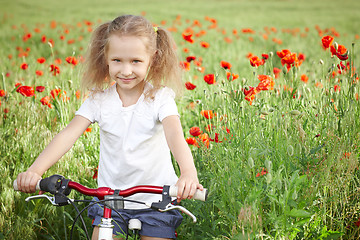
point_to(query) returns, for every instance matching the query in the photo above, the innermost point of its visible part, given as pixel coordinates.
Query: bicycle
(60, 188)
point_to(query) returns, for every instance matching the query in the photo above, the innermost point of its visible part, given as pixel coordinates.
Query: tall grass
(284, 167)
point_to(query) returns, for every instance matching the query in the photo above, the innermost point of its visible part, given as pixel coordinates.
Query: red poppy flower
(265, 56)
(205, 139)
(192, 141)
(337, 88)
(54, 69)
(190, 58)
(51, 42)
(46, 101)
(190, 86)
(39, 73)
(185, 65)
(327, 41)
(231, 76)
(225, 65)
(248, 30)
(58, 61)
(40, 88)
(250, 93)
(195, 131)
(95, 176)
(216, 138)
(301, 57)
(276, 72)
(255, 61)
(289, 58)
(304, 78)
(204, 44)
(188, 37)
(72, 60)
(208, 114)
(41, 60)
(70, 41)
(43, 39)
(341, 52)
(26, 91)
(55, 93)
(24, 66)
(266, 83)
(248, 90)
(341, 66)
(209, 78)
(263, 172)
(283, 53)
(2, 93)
(77, 94)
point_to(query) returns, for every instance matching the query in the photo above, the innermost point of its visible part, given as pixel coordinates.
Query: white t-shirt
(133, 148)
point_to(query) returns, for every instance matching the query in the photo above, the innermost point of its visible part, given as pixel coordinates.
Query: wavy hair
(164, 69)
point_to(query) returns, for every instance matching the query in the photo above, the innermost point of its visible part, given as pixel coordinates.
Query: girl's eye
(136, 61)
(116, 60)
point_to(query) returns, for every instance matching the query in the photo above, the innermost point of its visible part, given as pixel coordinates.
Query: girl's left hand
(187, 186)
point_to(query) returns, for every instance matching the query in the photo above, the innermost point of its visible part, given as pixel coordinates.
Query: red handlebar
(103, 191)
(58, 184)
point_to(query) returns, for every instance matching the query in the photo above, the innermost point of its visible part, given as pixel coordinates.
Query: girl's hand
(26, 181)
(187, 186)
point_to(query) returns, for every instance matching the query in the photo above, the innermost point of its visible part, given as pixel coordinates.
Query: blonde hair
(164, 69)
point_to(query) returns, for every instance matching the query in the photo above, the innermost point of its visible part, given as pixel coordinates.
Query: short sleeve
(167, 104)
(89, 109)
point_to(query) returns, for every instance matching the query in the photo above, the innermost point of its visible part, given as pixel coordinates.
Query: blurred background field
(283, 167)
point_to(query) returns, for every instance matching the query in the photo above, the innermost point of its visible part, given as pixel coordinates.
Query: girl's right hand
(26, 181)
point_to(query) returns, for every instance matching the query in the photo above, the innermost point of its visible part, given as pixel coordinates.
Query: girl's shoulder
(164, 92)
(102, 95)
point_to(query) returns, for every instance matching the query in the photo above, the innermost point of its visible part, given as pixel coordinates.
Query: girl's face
(128, 62)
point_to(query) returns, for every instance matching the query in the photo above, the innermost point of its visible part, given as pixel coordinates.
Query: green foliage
(284, 167)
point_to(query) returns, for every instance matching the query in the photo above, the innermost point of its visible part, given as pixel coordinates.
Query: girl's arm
(188, 181)
(60, 144)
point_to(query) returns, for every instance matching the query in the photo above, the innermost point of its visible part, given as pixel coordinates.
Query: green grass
(306, 137)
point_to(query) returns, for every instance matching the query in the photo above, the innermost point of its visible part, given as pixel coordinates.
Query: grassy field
(279, 150)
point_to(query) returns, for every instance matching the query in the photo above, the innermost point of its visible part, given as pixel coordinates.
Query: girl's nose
(126, 70)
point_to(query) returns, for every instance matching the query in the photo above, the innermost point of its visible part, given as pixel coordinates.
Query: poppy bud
(284, 70)
(251, 162)
(321, 62)
(271, 54)
(295, 112)
(336, 46)
(268, 178)
(290, 150)
(264, 112)
(268, 165)
(294, 195)
(271, 109)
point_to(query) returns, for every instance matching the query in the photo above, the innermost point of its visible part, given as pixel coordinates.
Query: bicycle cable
(102, 201)
(81, 218)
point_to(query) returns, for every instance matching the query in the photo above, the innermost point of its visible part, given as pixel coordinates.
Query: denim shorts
(154, 223)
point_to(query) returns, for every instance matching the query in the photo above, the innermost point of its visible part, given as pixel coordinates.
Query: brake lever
(51, 199)
(181, 208)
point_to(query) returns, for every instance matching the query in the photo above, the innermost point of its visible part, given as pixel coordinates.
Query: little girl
(138, 119)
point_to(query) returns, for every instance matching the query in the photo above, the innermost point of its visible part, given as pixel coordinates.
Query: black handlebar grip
(51, 184)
